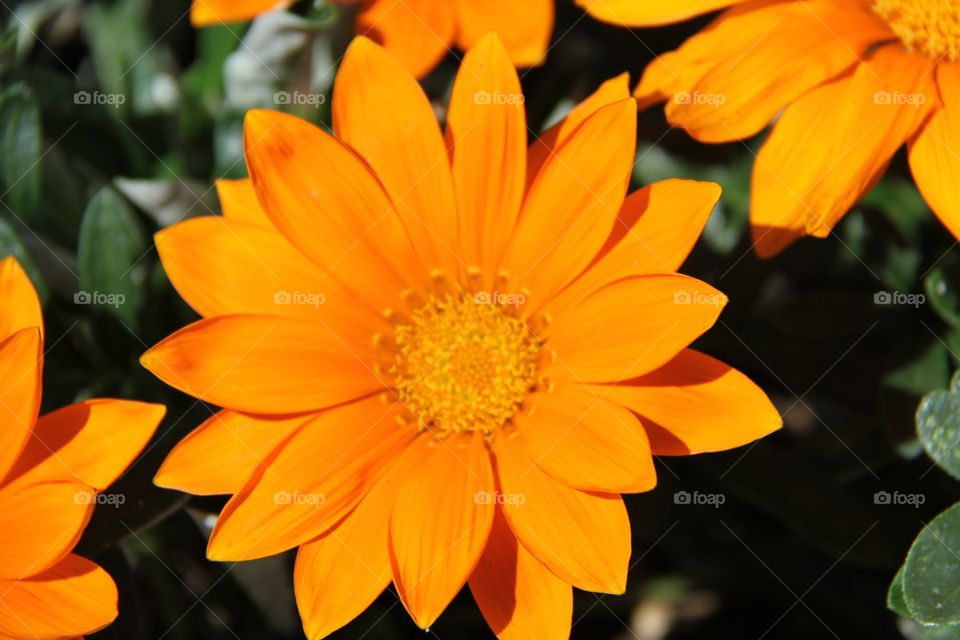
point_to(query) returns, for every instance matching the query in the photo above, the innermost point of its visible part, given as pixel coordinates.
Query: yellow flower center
(465, 364)
(931, 27)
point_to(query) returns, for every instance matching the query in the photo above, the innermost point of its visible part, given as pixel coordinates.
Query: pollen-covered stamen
(465, 364)
(931, 27)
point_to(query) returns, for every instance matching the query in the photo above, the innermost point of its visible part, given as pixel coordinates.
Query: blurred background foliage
(115, 118)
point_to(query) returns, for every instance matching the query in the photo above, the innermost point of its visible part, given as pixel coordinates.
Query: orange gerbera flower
(442, 360)
(422, 32)
(50, 470)
(855, 80)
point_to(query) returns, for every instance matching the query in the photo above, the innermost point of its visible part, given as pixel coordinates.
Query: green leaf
(938, 425)
(110, 252)
(10, 245)
(931, 576)
(941, 288)
(928, 370)
(135, 71)
(895, 601)
(20, 151)
(901, 203)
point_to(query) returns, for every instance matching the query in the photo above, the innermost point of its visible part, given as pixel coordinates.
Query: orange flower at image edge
(50, 470)
(421, 32)
(858, 78)
(441, 360)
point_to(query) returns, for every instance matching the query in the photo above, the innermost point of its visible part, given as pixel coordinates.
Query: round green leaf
(938, 426)
(931, 575)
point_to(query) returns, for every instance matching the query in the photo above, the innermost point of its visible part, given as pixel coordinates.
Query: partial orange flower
(51, 468)
(854, 79)
(442, 359)
(422, 32)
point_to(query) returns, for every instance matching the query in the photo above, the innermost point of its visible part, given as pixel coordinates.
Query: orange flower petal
(790, 48)
(586, 441)
(338, 575)
(402, 144)
(696, 404)
(524, 27)
(573, 202)
(665, 77)
(40, 523)
(518, 596)
(21, 369)
(21, 305)
(648, 13)
(546, 145)
(93, 441)
(655, 231)
(418, 32)
(630, 327)
(583, 538)
(310, 482)
(73, 597)
(225, 266)
(487, 131)
(264, 364)
(802, 185)
(85, 595)
(220, 455)
(306, 180)
(935, 152)
(440, 523)
(204, 13)
(679, 70)
(238, 201)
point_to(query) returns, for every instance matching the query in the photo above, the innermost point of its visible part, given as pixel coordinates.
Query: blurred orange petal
(418, 32)
(205, 13)
(649, 13)
(524, 27)
(799, 187)
(935, 152)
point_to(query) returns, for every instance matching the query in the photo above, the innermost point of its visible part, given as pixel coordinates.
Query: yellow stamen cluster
(464, 365)
(931, 27)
